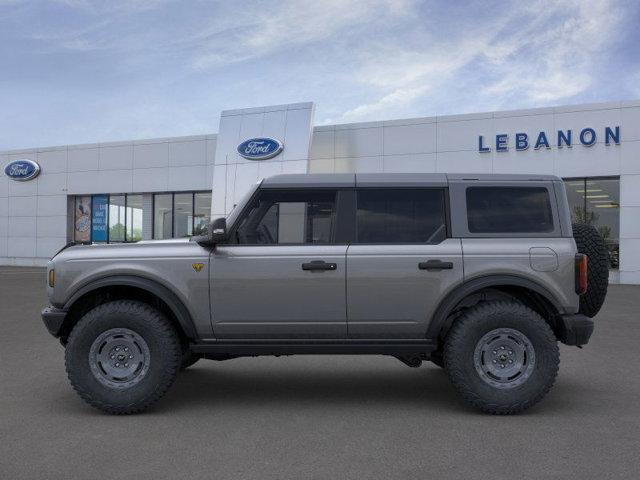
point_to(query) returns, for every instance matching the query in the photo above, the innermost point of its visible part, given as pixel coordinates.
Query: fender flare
(163, 293)
(446, 306)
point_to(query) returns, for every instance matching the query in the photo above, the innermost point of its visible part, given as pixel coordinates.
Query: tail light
(581, 273)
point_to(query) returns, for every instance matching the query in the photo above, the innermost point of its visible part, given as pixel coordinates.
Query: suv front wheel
(122, 356)
(502, 357)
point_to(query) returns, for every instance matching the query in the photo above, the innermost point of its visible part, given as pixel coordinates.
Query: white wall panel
(21, 246)
(83, 159)
(150, 180)
(464, 162)
(415, 163)
(188, 178)
(420, 138)
(358, 142)
(52, 161)
(52, 183)
(46, 247)
(21, 207)
(151, 155)
(117, 157)
(630, 124)
(52, 226)
(22, 227)
(630, 156)
(188, 153)
(104, 181)
(322, 144)
(51, 205)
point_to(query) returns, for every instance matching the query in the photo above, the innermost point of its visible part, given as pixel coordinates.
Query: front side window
(401, 216)
(288, 217)
(509, 210)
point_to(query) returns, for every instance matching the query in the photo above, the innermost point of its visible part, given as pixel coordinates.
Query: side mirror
(218, 230)
(216, 233)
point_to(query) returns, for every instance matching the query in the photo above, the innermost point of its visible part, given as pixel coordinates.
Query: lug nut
(126, 364)
(117, 364)
(130, 356)
(495, 352)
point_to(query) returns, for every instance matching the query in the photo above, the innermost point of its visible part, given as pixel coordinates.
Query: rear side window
(401, 216)
(509, 210)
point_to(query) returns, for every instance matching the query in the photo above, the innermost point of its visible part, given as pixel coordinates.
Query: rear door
(401, 263)
(283, 273)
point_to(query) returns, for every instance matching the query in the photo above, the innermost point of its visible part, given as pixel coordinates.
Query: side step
(314, 347)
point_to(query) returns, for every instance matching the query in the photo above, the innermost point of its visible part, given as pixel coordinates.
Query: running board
(314, 347)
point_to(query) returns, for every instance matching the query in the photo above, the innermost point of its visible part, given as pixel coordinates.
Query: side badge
(197, 266)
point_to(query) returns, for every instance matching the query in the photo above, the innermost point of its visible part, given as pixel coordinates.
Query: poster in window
(99, 208)
(82, 221)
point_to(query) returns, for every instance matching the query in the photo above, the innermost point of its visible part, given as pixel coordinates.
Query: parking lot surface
(334, 417)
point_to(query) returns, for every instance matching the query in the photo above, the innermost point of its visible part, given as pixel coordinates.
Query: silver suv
(480, 274)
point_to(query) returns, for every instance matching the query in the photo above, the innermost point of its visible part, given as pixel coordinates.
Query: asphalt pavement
(319, 417)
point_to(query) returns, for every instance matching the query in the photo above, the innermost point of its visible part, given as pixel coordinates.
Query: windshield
(235, 211)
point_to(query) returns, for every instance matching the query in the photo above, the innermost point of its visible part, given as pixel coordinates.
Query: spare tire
(590, 242)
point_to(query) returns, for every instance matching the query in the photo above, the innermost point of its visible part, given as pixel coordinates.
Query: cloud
(542, 52)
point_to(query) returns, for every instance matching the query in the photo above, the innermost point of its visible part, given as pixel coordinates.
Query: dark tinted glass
(509, 210)
(279, 217)
(401, 216)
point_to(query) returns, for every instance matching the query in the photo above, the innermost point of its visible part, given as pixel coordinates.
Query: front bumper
(574, 329)
(53, 319)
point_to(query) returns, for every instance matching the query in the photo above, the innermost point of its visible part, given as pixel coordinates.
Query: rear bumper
(53, 319)
(574, 329)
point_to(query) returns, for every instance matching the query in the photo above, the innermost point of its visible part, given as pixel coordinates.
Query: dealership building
(170, 187)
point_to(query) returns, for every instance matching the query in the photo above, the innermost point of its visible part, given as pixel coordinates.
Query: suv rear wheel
(122, 356)
(502, 357)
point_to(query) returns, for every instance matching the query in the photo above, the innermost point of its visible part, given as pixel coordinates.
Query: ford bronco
(480, 274)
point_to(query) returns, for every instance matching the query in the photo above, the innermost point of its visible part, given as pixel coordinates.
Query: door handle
(435, 265)
(319, 265)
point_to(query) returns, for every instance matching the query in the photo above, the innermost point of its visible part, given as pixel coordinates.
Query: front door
(401, 263)
(281, 275)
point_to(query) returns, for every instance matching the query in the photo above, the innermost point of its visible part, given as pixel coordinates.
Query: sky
(80, 71)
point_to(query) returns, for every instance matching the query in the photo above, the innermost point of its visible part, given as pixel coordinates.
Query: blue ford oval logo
(22, 170)
(260, 148)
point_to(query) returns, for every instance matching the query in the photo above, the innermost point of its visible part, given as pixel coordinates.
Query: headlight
(52, 277)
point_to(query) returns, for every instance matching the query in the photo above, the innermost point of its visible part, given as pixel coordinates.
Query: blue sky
(77, 71)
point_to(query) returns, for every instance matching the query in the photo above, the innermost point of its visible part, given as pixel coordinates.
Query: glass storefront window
(117, 218)
(134, 218)
(201, 212)
(162, 215)
(596, 202)
(182, 215)
(82, 219)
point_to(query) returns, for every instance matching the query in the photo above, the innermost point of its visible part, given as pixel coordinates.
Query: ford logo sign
(22, 170)
(260, 148)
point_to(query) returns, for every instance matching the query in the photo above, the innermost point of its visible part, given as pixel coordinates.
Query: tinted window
(509, 210)
(281, 217)
(401, 216)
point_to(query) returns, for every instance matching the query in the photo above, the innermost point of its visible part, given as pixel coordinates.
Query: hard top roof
(391, 179)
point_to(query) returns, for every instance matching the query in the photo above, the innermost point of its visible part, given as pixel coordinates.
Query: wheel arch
(528, 291)
(115, 287)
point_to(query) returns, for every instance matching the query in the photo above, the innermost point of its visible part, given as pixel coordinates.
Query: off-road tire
(188, 358)
(467, 332)
(164, 356)
(590, 242)
(437, 359)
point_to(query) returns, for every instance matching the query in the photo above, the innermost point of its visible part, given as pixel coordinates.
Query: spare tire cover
(590, 242)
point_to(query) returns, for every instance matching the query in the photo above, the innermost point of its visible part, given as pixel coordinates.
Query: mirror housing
(216, 233)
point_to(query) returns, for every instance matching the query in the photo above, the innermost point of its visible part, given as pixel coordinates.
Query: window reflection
(596, 202)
